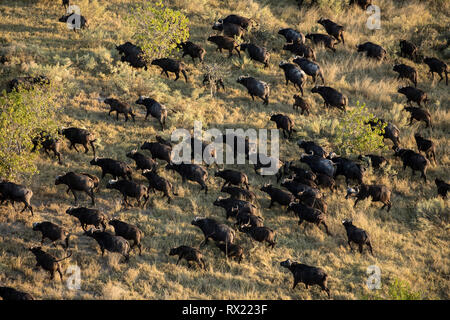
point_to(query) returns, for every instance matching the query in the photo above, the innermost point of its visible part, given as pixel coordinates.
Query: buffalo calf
(301, 103)
(189, 254)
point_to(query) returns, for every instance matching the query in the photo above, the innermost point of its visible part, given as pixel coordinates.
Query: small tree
(22, 115)
(215, 71)
(401, 290)
(158, 29)
(354, 134)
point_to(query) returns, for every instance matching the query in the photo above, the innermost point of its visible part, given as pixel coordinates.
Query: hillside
(411, 242)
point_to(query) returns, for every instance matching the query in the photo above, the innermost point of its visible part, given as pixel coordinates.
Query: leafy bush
(158, 29)
(355, 135)
(396, 290)
(22, 115)
(400, 290)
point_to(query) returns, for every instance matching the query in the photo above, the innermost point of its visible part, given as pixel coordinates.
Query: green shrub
(396, 290)
(158, 29)
(22, 115)
(355, 135)
(400, 290)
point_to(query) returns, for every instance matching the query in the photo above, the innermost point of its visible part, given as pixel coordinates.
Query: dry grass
(410, 242)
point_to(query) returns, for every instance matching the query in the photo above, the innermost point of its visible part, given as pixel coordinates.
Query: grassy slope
(410, 242)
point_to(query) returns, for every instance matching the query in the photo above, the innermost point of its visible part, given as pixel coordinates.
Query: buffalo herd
(301, 192)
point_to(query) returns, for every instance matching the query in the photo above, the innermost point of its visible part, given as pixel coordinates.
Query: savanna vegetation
(410, 243)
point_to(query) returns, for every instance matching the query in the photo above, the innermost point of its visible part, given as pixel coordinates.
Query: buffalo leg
(91, 194)
(60, 273)
(326, 228)
(370, 247)
(74, 195)
(238, 52)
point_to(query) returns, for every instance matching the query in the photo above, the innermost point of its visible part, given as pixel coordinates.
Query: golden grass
(410, 242)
